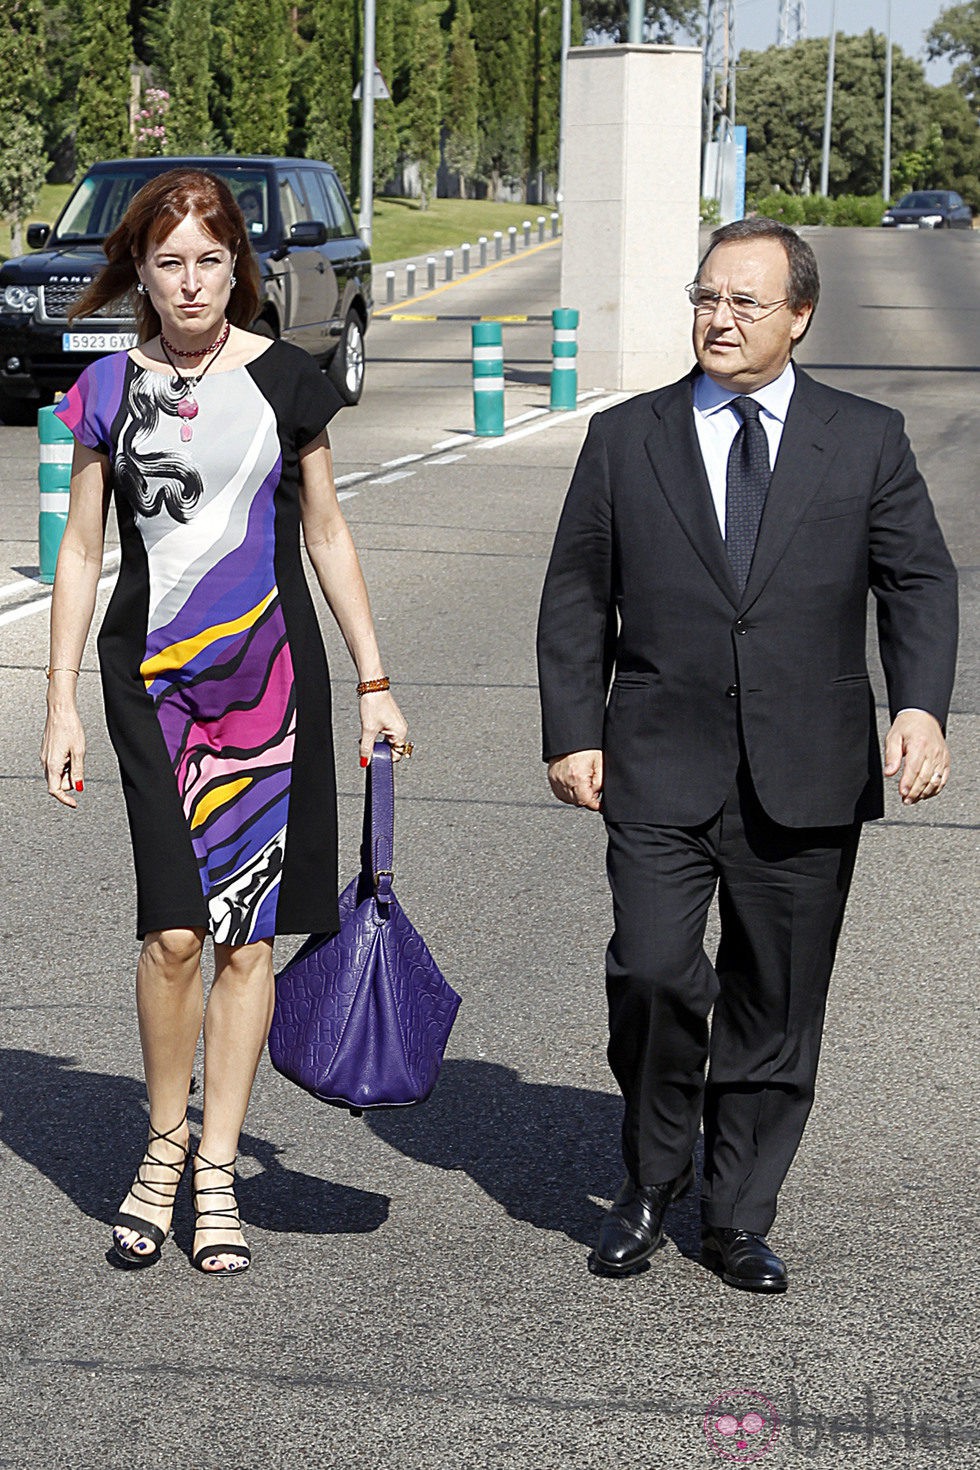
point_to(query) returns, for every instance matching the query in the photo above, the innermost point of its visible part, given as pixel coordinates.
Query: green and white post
(564, 350)
(488, 379)
(54, 475)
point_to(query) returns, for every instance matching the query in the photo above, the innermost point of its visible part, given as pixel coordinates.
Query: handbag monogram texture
(362, 1017)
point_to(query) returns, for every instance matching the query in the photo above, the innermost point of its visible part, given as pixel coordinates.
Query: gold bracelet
(373, 686)
(49, 672)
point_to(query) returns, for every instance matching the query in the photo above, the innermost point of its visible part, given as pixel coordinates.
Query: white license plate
(908, 227)
(98, 341)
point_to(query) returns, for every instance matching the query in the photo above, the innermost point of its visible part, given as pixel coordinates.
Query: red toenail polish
(364, 761)
(79, 785)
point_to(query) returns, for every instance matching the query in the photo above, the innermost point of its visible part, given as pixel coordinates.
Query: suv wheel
(346, 368)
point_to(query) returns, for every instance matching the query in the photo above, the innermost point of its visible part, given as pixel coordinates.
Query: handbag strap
(379, 820)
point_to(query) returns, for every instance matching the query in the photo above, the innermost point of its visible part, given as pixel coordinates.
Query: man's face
(745, 355)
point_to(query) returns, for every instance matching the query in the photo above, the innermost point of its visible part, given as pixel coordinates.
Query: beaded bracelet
(373, 686)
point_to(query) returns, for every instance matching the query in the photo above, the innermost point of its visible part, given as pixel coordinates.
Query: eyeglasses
(743, 308)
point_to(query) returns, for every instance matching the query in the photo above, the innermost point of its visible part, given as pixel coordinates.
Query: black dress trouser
(781, 896)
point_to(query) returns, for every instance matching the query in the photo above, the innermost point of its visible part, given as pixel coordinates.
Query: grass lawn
(401, 228)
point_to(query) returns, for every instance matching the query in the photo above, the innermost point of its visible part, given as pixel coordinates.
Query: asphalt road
(419, 1298)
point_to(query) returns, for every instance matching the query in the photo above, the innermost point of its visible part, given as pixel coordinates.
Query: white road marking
(592, 401)
(391, 464)
(551, 420)
(40, 604)
(395, 475)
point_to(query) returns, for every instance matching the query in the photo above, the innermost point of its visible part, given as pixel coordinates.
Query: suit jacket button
(732, 691)
(740, 627)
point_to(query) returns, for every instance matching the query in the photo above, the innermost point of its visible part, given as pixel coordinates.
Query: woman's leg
(169, 1004)
(235, 1030)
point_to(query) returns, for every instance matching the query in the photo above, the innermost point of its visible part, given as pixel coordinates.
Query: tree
(781, 94)
(387, 143)
(189, 76)
(955, 34)
(23, 161)
(22, 165)
(104, 82)
(462, 102)
(501, 34)
(544, 95)
(329, 71)
(958, 164)
(260, 76)
(423, 117)
(661, 22)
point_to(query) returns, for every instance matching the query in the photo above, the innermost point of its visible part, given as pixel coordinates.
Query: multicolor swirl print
(217, 662)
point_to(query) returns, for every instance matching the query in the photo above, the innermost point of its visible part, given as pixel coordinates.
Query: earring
(141, 289)
(233, 282)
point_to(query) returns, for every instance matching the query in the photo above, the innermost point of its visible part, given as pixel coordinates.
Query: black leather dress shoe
(742, 1259)
(632, 1228)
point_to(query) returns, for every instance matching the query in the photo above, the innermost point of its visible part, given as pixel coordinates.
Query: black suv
(315, 269)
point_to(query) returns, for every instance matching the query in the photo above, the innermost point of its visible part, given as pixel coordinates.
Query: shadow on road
(84, 1131)
(544, 1153)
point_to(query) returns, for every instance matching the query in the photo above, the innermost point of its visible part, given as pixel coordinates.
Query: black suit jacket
(639, 592)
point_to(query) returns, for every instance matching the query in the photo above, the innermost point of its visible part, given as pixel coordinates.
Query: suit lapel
(675, 456)
(807, 449)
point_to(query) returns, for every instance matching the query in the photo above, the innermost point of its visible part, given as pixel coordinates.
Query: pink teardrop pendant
(186, 410)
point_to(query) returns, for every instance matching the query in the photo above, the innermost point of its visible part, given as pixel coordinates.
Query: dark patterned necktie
(748, 484)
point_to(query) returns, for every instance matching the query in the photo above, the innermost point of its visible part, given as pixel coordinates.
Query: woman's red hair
(154, 212)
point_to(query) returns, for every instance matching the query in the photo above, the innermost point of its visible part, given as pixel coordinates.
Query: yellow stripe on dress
(179, 654)
(217, 796)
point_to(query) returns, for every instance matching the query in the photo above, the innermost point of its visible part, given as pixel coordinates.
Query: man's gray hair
(804, 277)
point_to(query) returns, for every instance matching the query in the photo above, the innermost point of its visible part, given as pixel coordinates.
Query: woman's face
(188, 277)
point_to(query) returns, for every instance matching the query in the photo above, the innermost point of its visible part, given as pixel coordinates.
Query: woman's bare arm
(76, 581)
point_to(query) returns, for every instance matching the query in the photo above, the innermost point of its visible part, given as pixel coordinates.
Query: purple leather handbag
(362, 1017)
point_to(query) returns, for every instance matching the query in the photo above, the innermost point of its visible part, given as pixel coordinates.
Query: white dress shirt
(717, 425)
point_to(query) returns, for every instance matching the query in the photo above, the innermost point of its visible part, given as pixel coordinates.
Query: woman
(213, 444)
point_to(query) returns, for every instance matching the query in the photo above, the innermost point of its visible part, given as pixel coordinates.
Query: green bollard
(564, 350)
(488, 379)
(53, 475)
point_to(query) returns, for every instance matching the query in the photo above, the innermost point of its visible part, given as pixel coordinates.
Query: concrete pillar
(632, 152)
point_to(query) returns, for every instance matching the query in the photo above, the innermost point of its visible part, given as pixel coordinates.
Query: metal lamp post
(886, 187)
(828, 111)
(367, 126)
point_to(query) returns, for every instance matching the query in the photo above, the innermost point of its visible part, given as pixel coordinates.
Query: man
(713, 561)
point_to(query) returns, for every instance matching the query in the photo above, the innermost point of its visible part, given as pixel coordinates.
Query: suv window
(98, 205)
(292, 199)
(340, 211)
(319, 199)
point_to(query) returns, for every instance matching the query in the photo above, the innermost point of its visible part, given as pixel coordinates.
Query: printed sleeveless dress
(215, 680)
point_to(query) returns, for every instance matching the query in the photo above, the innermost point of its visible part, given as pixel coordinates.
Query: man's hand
(577, 778)
(915, 744)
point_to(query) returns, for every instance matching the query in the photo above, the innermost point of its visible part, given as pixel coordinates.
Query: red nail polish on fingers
(79, 785)
(364, 761)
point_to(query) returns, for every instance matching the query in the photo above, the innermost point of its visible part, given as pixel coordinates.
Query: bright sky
(756, 23)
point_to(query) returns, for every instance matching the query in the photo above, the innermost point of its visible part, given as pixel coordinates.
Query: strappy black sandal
(228, 1219)
(149, 1192)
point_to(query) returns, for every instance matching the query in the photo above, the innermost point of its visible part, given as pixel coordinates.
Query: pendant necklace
(187, 406)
